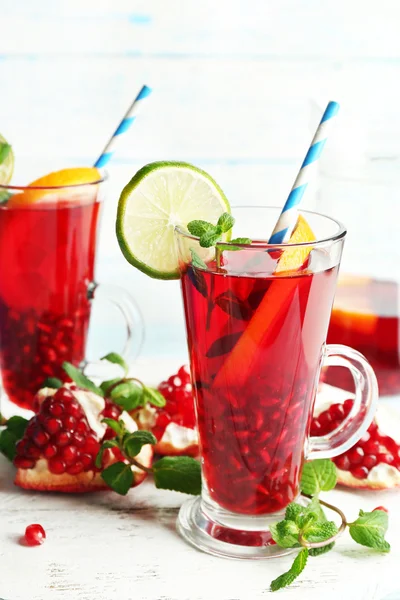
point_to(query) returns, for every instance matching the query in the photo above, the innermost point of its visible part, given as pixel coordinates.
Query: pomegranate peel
(60, 445)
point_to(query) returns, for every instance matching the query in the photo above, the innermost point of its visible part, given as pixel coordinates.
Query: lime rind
(161, 196)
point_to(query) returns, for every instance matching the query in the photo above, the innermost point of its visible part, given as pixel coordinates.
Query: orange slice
(293, 259)
(238, 364)
(65, 177)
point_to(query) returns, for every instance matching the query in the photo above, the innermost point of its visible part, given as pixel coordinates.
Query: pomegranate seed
(381, 508)
(35, 535)
(69, 454)
(21, 447)
(50, 451)
(359, 472)
(23, 463)
(355, 455)
(370, 461)
(337, 412)
(342, 462)
(62, 439)
(56, 409)
(74, 409)
(385, 458)
(347, 406)
(75, 469)
(316, 428)
(87, 461)
(52, 425)
(82, 427)
(63, 395)
(69, 423)
(78, 439)
(91, 446)
(40, 437)
(371, 447)
(56, 466)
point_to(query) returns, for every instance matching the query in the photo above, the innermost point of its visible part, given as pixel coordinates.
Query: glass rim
(103, 177)
(340, 234)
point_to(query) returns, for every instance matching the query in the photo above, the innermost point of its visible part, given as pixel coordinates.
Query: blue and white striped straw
(289, 215)
(126, 122)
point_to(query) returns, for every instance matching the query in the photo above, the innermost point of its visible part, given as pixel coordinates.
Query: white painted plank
(225, 28)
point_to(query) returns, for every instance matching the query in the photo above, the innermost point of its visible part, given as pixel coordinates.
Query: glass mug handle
(360, 417)
(124, 301)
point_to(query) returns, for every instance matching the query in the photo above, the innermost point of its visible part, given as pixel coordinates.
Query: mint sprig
(178, 473)
(209, 234)
(308, 527)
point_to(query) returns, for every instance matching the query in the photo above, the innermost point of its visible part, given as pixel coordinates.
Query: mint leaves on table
(13, 432)
(178, 473)
(305, 526)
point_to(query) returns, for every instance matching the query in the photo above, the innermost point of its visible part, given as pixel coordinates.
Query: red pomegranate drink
(253, 431)
(47, 257)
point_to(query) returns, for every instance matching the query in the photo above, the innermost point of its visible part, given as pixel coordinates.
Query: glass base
(229, 535)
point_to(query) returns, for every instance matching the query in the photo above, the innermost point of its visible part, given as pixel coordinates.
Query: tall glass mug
(47, 258)
(257, 344)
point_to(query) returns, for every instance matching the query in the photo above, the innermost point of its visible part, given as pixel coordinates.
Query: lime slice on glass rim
(6, 161)
(161, 196)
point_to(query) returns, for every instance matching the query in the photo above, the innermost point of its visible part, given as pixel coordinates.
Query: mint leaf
(128, 395)
(297, 567)
(178, 473)
(52, 382)
(197, 262)
(225, 222)
(153, 396)
(322, 550)
(80, 379)
(116, 359)
(240, 240)
(314, 506)
(210, 238)
(118, 477)
(134, 442)
(285, 533)
(199, 228)
(8, 441)
(369, 530)
(4, 196)
(319, 532)
(104, 446)
(117, 426)
(4, 151)
(105, 385)
(17, 426)
(293, 510)
(318, 475)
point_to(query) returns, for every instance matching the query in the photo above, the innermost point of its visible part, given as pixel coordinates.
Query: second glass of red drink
(256, 338)
(47, 260)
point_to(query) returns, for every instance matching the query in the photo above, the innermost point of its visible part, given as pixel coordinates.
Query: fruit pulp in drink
(47, 257)
(253, 426)
(366, 317)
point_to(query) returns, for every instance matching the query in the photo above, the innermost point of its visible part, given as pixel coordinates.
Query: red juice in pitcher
(366, 316)
(47, 257)
(253, 427)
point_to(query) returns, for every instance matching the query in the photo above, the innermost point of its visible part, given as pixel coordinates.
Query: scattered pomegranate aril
(381, 508)
(34, 535)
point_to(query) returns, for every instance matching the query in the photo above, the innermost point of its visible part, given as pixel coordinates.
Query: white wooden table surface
(105, 547)
(232, 81)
